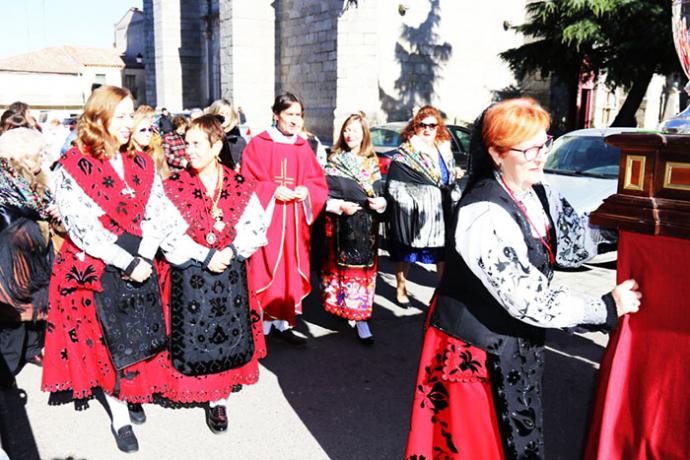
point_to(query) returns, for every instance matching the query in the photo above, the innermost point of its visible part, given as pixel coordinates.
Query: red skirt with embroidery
(347, 291)
(191, 390)
(76, 360)
(453, 415)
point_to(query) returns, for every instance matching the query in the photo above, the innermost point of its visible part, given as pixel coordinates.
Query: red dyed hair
(426, 111)
(513, 121)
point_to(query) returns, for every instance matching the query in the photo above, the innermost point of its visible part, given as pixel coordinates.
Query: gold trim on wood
(667, 175)
(629, 160)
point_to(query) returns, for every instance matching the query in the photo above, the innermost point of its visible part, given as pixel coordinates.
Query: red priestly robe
(280, 270)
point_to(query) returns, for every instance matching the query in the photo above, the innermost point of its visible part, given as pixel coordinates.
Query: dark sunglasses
(427, 125)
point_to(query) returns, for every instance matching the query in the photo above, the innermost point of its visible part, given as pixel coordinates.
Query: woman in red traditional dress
(348, 273)
(105, 326)
(216, 338)
(479, 386)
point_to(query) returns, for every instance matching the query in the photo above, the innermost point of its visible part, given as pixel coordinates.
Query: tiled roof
(65, 60)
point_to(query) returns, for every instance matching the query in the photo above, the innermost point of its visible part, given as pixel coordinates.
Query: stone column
(247, 58)
(357, 64)
(168, 66)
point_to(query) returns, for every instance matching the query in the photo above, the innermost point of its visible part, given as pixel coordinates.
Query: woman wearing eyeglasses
(145, 138)
(479, 386)
(419, 180)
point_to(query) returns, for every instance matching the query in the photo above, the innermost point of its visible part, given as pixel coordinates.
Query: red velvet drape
(642, 409)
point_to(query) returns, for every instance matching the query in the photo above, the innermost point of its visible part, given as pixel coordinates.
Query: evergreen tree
(627, 40)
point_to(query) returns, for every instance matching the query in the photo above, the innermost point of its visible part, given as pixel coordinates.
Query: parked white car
(585, 170)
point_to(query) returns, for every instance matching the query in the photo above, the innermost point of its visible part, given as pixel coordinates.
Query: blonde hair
(224, 108)
(93, 138)
(155, 147)
(24, 149)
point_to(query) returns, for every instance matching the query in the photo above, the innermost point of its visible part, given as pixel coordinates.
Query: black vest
(464, 307)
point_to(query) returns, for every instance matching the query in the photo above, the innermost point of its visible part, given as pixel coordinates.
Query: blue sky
(28, 25)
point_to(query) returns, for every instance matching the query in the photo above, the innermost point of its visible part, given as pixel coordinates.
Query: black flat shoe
(405, 304)
(125, 439)
(136, 413)
(289, 337)
(216, 419)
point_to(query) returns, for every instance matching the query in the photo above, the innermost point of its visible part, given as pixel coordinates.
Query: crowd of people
(162, 253)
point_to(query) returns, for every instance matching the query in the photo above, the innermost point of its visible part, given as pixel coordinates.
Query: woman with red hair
(106, 328)
(418, 188)
(479, 386)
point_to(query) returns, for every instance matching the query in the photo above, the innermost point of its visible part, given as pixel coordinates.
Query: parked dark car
(386, 140)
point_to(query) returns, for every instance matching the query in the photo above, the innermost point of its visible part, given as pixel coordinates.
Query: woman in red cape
(105, 326)
(216, 337)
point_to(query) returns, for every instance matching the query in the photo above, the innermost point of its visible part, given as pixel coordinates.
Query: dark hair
(180, 120)
(210, 125)
(11, 120)
(20, 108)
(426, 111)
(284, 101)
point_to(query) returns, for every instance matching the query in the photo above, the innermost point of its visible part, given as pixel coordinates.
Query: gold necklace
(216, 212)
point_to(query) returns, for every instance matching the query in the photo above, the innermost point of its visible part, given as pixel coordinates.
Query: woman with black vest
(479, 386)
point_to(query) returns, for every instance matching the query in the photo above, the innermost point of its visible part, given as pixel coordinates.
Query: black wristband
(611, 312)
(209, 256)
(132, 265)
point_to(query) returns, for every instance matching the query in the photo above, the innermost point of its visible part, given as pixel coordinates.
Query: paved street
(336, 399)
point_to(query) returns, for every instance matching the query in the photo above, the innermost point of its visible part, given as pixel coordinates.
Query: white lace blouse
(493, 246)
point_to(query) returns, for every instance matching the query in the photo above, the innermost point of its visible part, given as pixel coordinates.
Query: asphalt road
(335, 399)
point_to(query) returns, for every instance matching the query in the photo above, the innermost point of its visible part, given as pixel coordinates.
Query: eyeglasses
(532, 152)
(427, 125)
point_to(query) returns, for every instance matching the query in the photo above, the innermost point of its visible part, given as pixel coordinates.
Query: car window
(462, 137)
(583, 155)
(382, 137)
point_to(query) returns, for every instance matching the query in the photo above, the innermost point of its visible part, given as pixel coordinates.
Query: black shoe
(136, 413)
(125, 439)
(288, 336)
(216, 418)
(401, 304)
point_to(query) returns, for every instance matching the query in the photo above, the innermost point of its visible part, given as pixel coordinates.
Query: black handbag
(210, 319)
(131, 317)
(355, 240)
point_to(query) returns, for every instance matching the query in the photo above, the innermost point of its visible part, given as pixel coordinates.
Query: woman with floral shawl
(348, 274)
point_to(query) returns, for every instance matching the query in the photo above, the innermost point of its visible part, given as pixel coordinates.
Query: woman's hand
(377, 204)
(141, 272)
(284, 194)
(348, 208)
(53, 212)
(220, 260)
(301, 193)
(627, 297)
